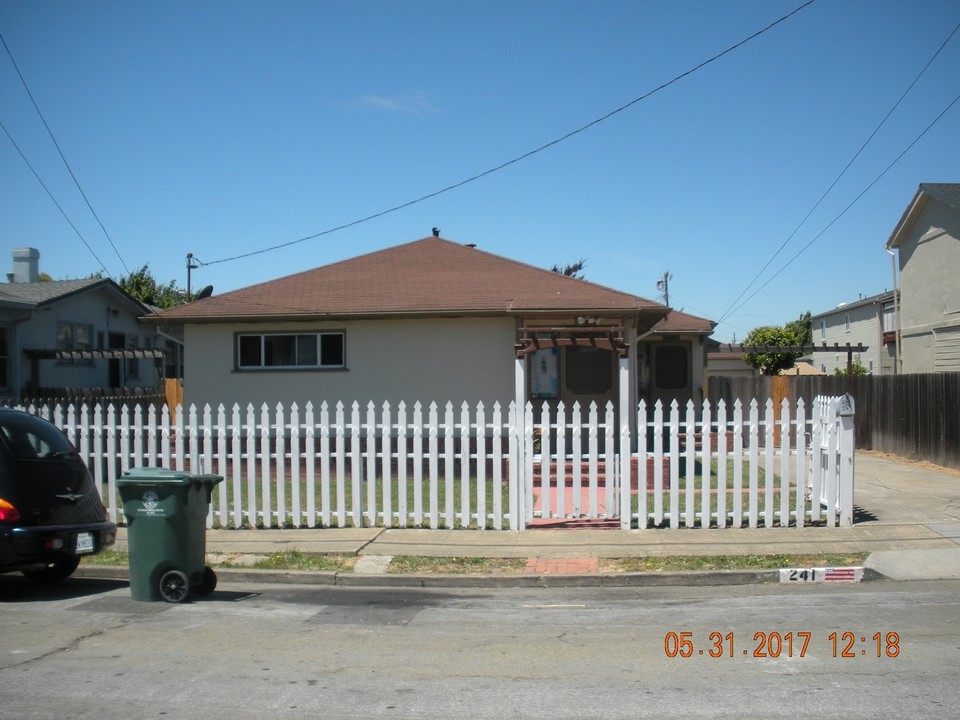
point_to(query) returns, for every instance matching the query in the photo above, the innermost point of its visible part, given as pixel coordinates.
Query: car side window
(18, 443)
(28, 438)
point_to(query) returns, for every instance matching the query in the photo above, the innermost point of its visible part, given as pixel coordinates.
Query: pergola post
(519, 513)
(624, 414)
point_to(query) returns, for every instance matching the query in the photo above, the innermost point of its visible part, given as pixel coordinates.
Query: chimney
(26, 265)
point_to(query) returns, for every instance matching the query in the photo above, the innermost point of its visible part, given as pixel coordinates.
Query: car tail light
(8, 513)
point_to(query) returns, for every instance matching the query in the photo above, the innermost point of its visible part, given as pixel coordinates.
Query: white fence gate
(488, 469)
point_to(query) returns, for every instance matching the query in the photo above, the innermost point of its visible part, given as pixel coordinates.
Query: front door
(587, 376)
(669, 376)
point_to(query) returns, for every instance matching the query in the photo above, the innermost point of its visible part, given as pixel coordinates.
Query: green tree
(141, 285)
(857, 368)
(771, 363)
(802, 328)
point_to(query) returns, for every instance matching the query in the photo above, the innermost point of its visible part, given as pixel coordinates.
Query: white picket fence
(470, 467)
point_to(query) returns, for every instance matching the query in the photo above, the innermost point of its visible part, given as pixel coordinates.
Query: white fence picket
(371, 466)
(689, 455)
(784, 463)
(465, 497)
(802, 464)
(402, 479)
(496, 428)
(706, 472)
(576, 463)
(754, 455)
(722, 436)
(392, 466)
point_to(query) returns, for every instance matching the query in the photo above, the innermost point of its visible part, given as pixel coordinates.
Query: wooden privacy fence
(914, 416)
(470, 467)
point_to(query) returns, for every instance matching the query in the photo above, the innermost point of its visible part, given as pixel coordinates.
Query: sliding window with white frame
(284, 351)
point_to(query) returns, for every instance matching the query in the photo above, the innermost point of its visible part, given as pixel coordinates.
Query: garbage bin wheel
(208, 582)
(174, 586)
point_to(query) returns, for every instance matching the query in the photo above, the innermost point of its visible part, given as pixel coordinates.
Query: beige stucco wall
(428, 360)
(930, 293)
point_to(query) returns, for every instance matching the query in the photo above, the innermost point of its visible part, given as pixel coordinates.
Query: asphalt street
(868, 650)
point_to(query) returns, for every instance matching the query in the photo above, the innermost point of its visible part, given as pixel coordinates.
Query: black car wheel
(54, 571)
(174, 586)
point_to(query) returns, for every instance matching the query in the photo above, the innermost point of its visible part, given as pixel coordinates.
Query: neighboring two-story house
(64, 337)
(869, 322)
(927, 242)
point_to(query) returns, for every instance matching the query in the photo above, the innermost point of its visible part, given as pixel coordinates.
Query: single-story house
(64, 338)
(431, 320)
(927, 241)
(726, 360)
(802, 367)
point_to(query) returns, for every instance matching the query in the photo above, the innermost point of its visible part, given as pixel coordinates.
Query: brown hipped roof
(681, 322)
(431, 276)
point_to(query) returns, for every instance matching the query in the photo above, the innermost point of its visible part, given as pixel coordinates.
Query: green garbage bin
(166, 514)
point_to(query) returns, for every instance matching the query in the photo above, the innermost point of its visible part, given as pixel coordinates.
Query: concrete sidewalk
(908, 519)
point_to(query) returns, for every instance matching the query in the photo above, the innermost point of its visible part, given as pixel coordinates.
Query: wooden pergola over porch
(604, 337)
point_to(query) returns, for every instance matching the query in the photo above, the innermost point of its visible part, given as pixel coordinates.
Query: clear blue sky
(224, 128)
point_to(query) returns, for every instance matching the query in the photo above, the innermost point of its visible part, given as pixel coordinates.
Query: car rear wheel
(54, 571)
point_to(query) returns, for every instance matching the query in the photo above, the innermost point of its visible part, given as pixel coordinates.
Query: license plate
(84, 543)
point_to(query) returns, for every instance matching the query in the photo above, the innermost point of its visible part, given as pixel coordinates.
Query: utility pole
(663, 285)
(190, 266)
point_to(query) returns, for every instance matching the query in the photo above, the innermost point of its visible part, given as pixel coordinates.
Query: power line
(528, 154)
(54, 200)
(837, 179)
(844, 211)
(66, 164)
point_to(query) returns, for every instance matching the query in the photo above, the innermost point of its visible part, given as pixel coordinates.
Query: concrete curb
(304, 577)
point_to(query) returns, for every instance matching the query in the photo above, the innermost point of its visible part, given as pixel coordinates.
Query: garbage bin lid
(154, 475)
(160, 475)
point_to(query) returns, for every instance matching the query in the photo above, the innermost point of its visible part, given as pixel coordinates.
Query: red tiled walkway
(563, 565)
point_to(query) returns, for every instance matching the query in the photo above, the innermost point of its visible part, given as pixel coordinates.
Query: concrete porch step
(575, 524)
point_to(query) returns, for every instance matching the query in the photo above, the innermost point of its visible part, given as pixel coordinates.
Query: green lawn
(450, 508)
(451, 512)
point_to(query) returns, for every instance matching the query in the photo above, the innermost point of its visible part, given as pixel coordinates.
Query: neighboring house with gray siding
(67, 337)
(867, 321)
(927, 241)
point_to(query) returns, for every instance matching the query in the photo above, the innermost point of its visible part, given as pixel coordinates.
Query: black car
(51, 514)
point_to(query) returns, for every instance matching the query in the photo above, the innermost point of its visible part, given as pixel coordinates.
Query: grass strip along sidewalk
(416, 565)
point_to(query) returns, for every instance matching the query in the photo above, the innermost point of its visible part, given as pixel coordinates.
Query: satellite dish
(205, 292)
